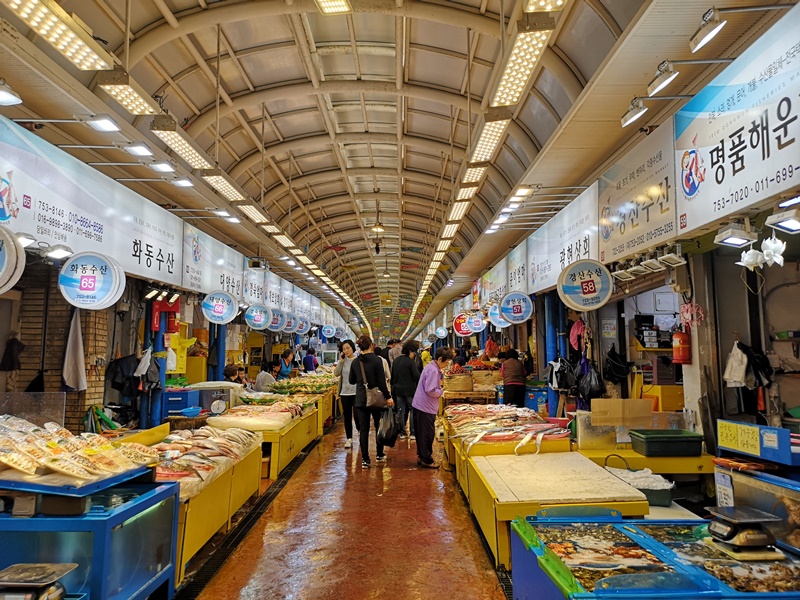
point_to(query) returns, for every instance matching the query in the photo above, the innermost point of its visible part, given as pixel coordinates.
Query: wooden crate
(487, 377)
(458, 383)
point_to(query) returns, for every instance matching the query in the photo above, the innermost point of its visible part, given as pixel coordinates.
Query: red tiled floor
(337, 531)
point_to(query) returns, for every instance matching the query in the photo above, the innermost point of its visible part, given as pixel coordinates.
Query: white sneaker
(348, 443)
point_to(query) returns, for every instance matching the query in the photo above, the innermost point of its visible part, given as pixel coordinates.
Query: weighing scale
(34, 581)
(739, 533)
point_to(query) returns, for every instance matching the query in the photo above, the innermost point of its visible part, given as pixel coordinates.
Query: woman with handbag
(372, 396)
(347, 390)
(426, 406)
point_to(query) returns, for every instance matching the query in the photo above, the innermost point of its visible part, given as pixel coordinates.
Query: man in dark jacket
(369, 365)
(405, 377)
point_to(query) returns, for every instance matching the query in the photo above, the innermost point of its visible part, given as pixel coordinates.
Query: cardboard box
(622, 411)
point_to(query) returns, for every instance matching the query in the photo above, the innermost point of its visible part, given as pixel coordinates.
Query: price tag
(728, 434)
(724, 486)
(769, 439)
(749, 439)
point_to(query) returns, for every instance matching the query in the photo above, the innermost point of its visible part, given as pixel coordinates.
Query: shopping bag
(388, 428)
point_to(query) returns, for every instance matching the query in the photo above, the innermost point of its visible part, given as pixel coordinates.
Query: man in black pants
(367, 371)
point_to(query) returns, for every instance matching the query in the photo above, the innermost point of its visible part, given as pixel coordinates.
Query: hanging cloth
(10, 360)
(736, 368)
(74, 369)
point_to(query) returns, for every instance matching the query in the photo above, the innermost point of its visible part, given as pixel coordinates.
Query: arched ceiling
(364, 112)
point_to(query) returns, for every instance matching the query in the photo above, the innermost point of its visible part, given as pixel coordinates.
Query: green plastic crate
(666, 442)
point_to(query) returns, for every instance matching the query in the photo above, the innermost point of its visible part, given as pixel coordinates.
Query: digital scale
(34, 581)
(739, 533)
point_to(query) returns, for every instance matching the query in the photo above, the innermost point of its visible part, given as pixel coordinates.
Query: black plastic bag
(615, 369)
(591, 385)
(560, 375)
(389, 427)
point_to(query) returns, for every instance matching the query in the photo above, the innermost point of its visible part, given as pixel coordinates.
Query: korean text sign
(209, 265)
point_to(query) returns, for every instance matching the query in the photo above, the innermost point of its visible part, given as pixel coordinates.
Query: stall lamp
(234, 220)
(162, 166)
(25, 239)
(623, 274)
(674, 258)
(713, 22)
(174, 298)
(135, 148)
(221, 212)
(664, 76)
(654, 265)
(103, 123)
(787, 221)
(151, 294)
(182, 182)
(736, 235)
(789, 202)
(59, 251)
(635, 110)
(162, 295)
(637, 270)
(8, 97)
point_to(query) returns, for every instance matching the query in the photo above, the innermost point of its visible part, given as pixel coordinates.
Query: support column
(222, 333)
(155, 395)
(144, 397)
(551, 345)
(211, 374)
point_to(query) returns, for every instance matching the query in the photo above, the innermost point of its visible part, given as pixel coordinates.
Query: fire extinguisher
(681, 348)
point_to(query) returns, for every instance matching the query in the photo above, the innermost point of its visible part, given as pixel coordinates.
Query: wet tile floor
(339, 531)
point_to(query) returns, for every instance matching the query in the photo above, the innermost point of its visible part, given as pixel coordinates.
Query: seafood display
(770, 576)
(311, 384)
(38, 451)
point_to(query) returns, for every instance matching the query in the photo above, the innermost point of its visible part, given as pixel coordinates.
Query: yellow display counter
(324, 410)
(676, 465)
(287, 443)
(503, 487)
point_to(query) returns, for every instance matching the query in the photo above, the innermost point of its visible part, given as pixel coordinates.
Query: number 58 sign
(585, 285)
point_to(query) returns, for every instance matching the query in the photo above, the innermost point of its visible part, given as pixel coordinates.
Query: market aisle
(338, 531)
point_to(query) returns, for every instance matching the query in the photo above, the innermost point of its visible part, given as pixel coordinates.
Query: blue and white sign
(209, 265)
(12, 259)
(585, 285)
(278, 320)
(516, 308)
(220, 307)
(292, 323)
(737, 142)
(339, 333)
(258, 317)
(328, 331)
(475, 323)
(90, 280)
(494, 316)
(441, 333)
(305, 326)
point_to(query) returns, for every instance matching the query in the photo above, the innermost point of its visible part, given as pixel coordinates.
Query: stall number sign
(329, 331)
(89, 280)
(476, 324)
(257, 317)
(220, 307)
(305, 326)
(516, 308)
(495, 318)
(460, 326)
(441, 333)
(585, 285)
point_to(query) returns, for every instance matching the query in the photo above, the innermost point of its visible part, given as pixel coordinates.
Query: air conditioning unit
(257, 263)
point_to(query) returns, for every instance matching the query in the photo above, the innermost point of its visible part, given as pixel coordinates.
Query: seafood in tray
(771, 576)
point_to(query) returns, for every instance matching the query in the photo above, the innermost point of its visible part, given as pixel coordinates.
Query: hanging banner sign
(328, 331)
(304, 326)
(278, 320)
(460, 326)
(494, 316)
(210, 265)
(494, 284)
(737, 142)
(58, 199)
(257, 317)
(287, 295)
(516, 308)
(220, 307)
(441, 333)
(253, 286)
(569, 236)
(516, 261)
(637, 198)
(585, 285)
(90, 280)
(272, 291)
(476, 324)
(12, 259)
(292, 323)
(476, 294)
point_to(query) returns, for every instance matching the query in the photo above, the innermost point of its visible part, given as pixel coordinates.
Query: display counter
(449, 397)
(683, 465)
(287, 443)
(325, 410)
(503, 487)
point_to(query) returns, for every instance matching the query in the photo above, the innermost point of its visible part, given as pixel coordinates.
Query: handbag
(375, 397)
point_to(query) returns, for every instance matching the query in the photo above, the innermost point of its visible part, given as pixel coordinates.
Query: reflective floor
(337, 531)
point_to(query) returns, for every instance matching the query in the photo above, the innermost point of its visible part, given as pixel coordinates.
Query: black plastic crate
(666, 442)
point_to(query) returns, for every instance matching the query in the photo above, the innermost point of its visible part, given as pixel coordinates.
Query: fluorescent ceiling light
(466, 193)
(635, 110)
(664, 76)
(492, 132)
(450, 230)
(789, 202)
(8, 97)
(270, 228)
(130, 95)
(474, 174)
(334, 7)
(491, 230)
(736, 235)
(64, 33)
(291, 263)
(152, 293)
(443, 245)
(305, 260)
(438, 256)
(25, 239)
(102, 123)
(232, 219)
(135, 148)
(788, 221)
(182, 182)
(59, 251)
(222, 182)
(162, 166)
(457, 211)
(284, 241)
(179, 142)
(252, 213)
(526, 48)
(295, 251)
(221, 212)
(543, 5)
(494, 227)
(710, 26)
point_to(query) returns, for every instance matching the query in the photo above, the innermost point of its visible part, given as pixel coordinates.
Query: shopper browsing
(370, 367)
(310, 362)
(426, 405)
(286, 364)
(266, 376)
(513, 379)
(347, 390)
(405, 377)
(426, 356)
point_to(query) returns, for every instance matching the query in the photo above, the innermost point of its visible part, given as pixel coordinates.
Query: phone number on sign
(759, 186)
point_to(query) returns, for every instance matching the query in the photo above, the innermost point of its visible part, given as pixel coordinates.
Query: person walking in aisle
(395, 352)
(347, 390)
(287, 363)
(426, 356)
(513, 379)
(405, 377)
(426, 406)
(367, 371)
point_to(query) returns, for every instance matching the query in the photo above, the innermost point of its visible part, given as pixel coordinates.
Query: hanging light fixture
(8, 97)
(527, 45)
(118, 84)
(787, 221)
(386, 273)
(494, 128)
(712, 22)
(736, 235)
(637, 108)
(167, 129)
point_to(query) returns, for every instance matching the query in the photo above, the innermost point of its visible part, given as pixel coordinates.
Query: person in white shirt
(266, 376)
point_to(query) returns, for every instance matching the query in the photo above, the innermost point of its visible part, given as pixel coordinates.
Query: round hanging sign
(305, 326)
(339, 332)
(441, 333)
(12, 260)
(257, 317)
(516, 308)
(292, 323)
(585, 285)
(432, 338)
(278, 320)
(90, 280)
(495, 318)
(475, 323)
(460, 326)
(328, 331)
(220, 307)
